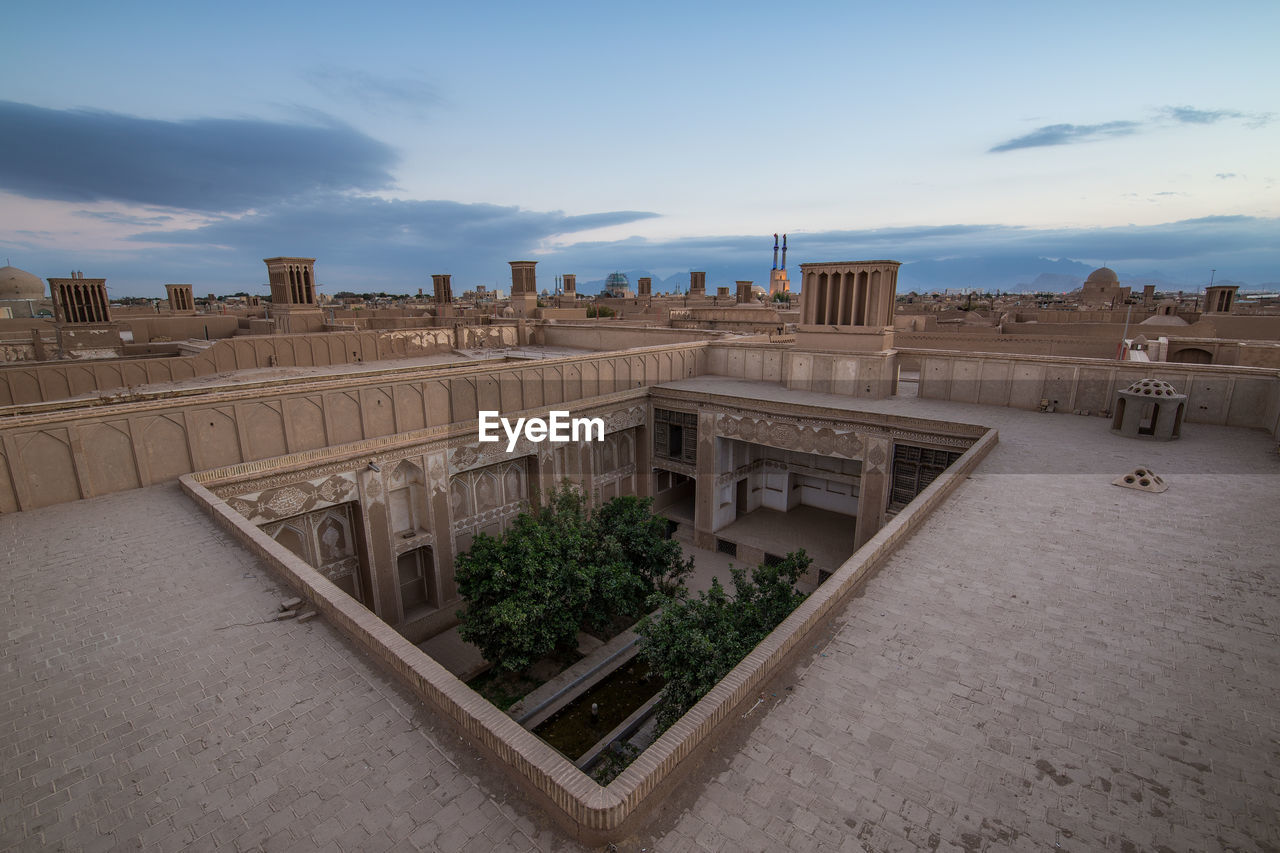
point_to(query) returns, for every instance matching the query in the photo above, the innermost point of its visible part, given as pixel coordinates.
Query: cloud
(1222, 176)
(1065, 134)
(367, 243)
(207, 164)
(374, 93)
(116, 217)
(370, 244)
(1189, 115)
(351, 224)
(388, 242)
(1007, 254)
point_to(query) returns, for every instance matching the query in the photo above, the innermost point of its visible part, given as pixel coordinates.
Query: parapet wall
(56, 453)
(176, 328)
(1037, 342)
(609, 337)
(53, 453)
(865, 374)
(48, 381)
(1229, 396)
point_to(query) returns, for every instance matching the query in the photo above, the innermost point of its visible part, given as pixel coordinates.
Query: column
(870, 298)
(847, 281)
(873, 496)
(384, 597)
(546, 474)
(704, 495)
(437, 486)
(644, 462)
(586, 451)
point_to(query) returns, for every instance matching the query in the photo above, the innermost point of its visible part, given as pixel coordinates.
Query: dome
(1153, 388)
(1103, 275)
(19, 284)
(1164, 320)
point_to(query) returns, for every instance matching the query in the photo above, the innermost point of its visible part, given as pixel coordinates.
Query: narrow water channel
(573, 731)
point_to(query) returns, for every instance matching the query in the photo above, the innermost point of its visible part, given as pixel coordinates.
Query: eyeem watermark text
(559, 427)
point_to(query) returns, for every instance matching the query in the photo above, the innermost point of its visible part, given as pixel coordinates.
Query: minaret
(778, 281)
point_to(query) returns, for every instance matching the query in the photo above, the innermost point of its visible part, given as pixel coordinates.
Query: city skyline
(159, 144)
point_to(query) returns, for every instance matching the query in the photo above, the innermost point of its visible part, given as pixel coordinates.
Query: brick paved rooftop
(1051, 660)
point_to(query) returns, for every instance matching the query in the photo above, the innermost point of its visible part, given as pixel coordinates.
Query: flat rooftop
(259, 375)
(1050, 660)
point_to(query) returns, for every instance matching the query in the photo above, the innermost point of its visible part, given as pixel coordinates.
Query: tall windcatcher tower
(294, 305)
(524, 288)
(442, 289)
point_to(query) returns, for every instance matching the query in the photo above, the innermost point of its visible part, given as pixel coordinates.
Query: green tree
(526, 591)
(530, 590)
(635, 560)
(695, 642)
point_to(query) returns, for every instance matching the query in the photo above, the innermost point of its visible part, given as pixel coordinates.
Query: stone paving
(1052, 662)
(148, 702)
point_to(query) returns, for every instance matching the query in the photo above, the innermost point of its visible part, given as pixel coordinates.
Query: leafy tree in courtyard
(530, 590)
(694, 642)
(635, 559)
(526, 590)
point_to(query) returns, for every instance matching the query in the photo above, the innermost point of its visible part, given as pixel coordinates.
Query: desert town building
(340, 447)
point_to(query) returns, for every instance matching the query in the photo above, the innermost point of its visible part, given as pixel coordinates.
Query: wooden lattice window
(675, 435)
(914, 468)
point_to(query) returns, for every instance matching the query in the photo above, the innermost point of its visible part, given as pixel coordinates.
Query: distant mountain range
(1017, 274)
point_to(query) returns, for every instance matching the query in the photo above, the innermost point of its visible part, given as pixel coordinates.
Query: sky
(977, 143)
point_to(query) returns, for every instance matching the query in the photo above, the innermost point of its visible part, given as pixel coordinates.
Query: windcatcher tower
(180, 299)
(848, 306)
(697, 284)
(82, 319)
(568, 297)
(79, 300)
(1219, 298)
(443, 292)
(294, 305)
(846, 322)
(524, 288)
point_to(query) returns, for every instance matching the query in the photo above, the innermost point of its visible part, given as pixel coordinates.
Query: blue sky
(152, 143)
